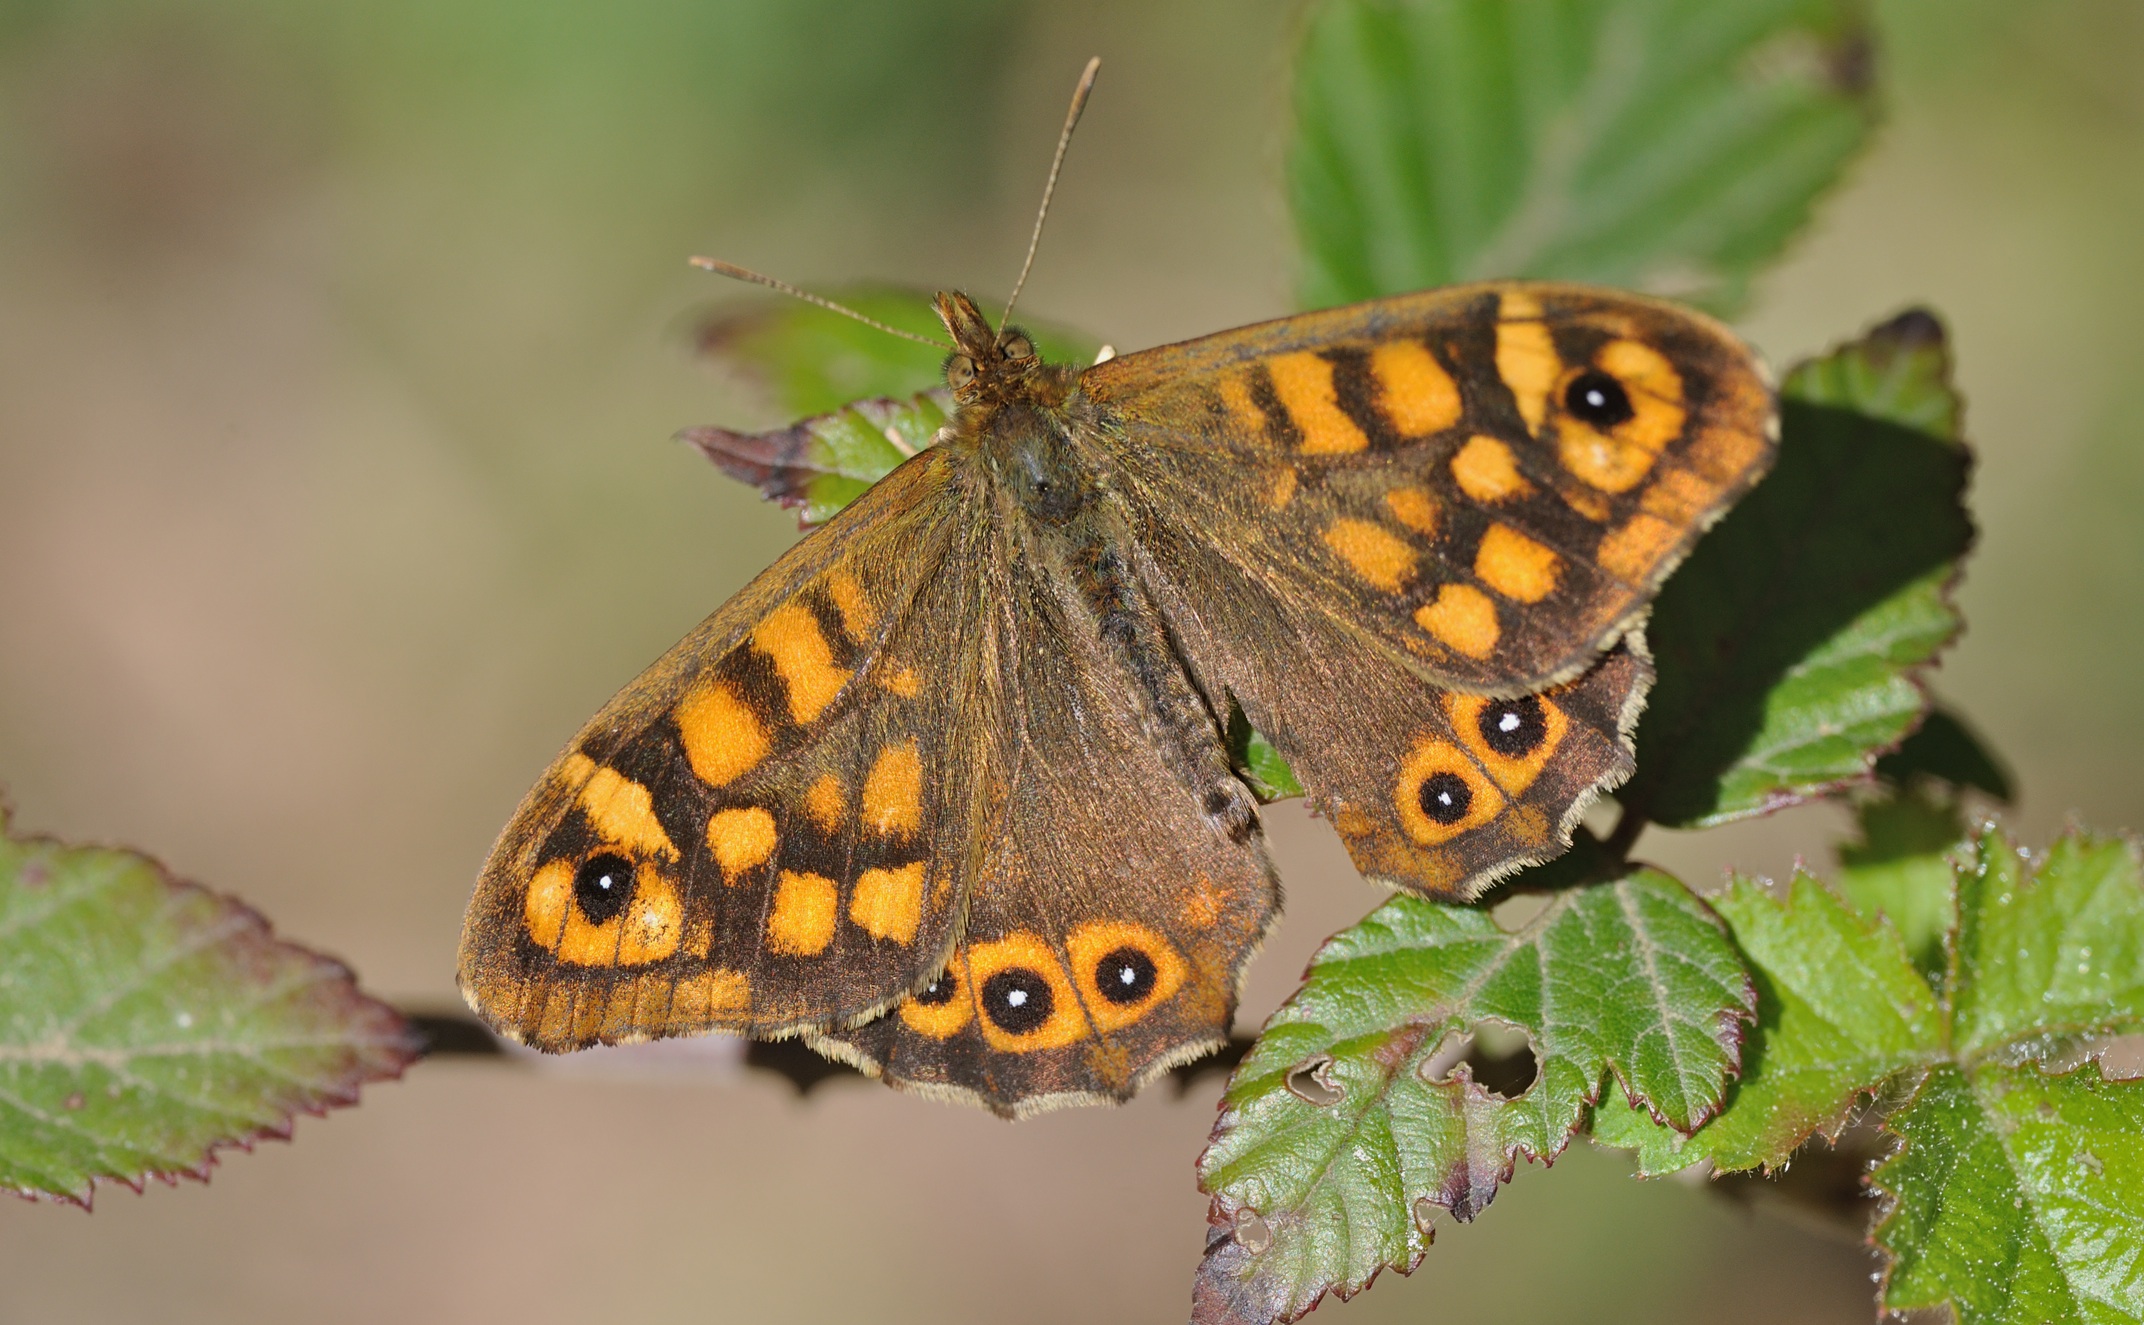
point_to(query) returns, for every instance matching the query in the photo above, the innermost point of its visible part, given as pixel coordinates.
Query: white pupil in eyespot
(1017, 998)
(1444, 798)
(1508, 723)
(1127, 976)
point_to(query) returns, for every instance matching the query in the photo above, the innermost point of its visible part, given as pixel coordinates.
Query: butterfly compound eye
(1018, 347)
(601, 886)
(959, 371)
(1598, 399)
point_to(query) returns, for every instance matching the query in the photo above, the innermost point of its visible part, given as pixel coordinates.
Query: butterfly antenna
(735, 272)
(1064, 140)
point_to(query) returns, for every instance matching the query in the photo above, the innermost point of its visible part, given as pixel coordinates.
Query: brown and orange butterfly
(947, 789)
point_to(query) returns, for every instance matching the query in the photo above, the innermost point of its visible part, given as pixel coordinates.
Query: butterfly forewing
(773, 827)
(1492, 479)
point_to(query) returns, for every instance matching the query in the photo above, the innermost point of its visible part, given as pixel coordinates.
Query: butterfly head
(986, 365)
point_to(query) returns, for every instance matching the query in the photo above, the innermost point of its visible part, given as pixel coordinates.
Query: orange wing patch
(1516, 566)
(792, 641)
(893, 793)
(1414, 393)
(802, 921)
(889, 903)
(1463, 618)
(723, 738)
(1486, 471)
(1379, 557)
(1303, 380)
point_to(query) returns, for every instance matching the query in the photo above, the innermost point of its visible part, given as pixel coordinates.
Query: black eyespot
(1125, 976)
(959, 371)
(1446, 798)
(939, 992)
(1514, 728)
(601, 886)
(1017, 1000)
(1596, 398)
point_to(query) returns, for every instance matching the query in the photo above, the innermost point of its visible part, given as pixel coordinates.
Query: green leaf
(1790, 646)
(1254, 757)
(2053, 947)
(822, 464)
(1670, 145)
(1945, 749)
(2018, 1198)
(1902, 868)
(146, 1022)
(1352, 1121)
(1840, 1010)
(816, 361)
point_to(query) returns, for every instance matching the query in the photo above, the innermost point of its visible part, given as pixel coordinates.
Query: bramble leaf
(1353, 1120)
(146, 1022)
(2047, 948)
(1840, 1010)
(820, 465)
(2017, 1198)
(1790, 645)
(816, 361)
(2017, 1190)
(1667, 145)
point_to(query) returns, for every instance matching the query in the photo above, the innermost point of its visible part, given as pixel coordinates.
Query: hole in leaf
(1252, 1232)
(1495, 1055)
(1312, 1082)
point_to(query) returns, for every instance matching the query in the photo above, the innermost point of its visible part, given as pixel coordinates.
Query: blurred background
(340, 351)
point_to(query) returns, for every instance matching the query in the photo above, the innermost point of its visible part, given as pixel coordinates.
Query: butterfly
(947, 789)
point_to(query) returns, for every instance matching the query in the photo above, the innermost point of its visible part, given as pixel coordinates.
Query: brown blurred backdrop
(340, 347)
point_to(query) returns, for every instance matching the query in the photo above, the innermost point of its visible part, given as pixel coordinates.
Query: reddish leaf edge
(383, 1054)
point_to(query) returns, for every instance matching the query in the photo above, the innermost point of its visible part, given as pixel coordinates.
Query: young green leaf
(816, 361)
(2047, 948)
(2017, 1198)
(1790, 645)
(1352, 1120)
(822, 464)
(146, 1022)
(1670, 145)
(1840, 1010)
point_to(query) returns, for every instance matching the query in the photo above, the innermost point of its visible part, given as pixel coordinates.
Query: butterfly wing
(774, 826)
(1410, 510)
(1492, 479)
(1108, 928)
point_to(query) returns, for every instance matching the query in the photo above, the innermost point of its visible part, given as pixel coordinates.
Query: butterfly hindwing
(1109, 925)
(773, 827)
